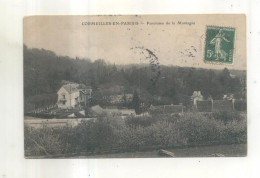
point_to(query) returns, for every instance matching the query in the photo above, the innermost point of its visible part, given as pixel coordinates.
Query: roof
(110, 107)
(111, 110)
(74, 87)
(86, 91)
(71, 88)
(196, 94)
(127, 111)
(97, 109)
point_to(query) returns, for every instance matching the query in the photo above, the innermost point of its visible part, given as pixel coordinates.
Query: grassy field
(114, 137)
(236, 150)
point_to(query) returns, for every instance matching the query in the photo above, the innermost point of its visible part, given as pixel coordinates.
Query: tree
(97, 98)
(124, 100)
(93, 82)
(114, 68)
(225, 81)
(136, 103)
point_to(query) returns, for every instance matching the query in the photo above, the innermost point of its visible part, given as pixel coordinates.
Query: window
(63, 102)
(63, 96)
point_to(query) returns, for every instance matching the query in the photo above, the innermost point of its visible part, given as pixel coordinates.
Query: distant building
(73, 95)
(232, 75)
(196, 96)
(229, 97)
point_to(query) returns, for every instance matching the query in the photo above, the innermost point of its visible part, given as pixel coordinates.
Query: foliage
(132, 134)
(44, 72)
(226, 116)
(240, 105)
(136, 103)
(48, 141)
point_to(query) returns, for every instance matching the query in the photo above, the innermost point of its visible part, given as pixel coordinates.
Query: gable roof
(86, 91)
(97, 109)
(71, 88)
(74, 87)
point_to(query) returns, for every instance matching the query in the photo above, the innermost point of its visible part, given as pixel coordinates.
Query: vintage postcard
(142, 86)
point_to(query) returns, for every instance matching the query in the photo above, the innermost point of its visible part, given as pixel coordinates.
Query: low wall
(39, 123)
(204, 106)
(222, 105)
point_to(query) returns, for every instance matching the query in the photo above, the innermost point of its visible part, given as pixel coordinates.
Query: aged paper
(135, 86)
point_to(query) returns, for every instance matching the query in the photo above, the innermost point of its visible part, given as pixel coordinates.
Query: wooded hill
(44, 72)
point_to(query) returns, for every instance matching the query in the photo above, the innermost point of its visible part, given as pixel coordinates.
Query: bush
(235, 132)
(199, 129)
(228, 116)
(47, 141)
(114, 133)
(240, 105)
(135, 122)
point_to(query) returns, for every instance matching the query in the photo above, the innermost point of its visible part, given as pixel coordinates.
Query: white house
(196, 96)
(73, 95)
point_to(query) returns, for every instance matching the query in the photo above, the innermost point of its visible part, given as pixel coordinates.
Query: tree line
(44, 72)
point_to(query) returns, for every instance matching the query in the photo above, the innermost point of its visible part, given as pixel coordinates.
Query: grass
(235, 150)
(108, 135)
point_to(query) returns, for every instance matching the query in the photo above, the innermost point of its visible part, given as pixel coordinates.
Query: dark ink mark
(154, 63)
(189, 52)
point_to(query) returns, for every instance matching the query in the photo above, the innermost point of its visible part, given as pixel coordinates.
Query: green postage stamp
(219, 44)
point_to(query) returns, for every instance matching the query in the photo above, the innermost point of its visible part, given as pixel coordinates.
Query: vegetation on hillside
(44, 72)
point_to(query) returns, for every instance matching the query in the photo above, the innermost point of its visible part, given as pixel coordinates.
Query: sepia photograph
(135, 86)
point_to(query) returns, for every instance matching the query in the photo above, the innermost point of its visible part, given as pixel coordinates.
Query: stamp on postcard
(219, 44)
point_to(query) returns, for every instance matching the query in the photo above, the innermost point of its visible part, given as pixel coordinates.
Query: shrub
(113, 133)
(235, 132)
(240, 105)
(47, 141)
(135, 122)
(95, 134)
(228, 116)
(199, 129)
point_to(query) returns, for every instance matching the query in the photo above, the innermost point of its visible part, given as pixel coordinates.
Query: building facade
(73, 95)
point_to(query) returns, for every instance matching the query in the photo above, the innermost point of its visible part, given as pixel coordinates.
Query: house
(73, 95)
(196, 96)
(228, 96)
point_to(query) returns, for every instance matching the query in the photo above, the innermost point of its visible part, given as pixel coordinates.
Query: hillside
(44, 72)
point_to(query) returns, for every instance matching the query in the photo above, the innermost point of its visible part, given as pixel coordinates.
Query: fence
(43, 109)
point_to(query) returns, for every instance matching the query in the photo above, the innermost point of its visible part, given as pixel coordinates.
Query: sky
(124, 39)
